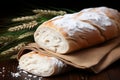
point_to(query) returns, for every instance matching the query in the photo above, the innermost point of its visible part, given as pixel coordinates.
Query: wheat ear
(25, 35)
(28, 25)
(13, 50)
(6, 38)
(49, 12)
(24, 18)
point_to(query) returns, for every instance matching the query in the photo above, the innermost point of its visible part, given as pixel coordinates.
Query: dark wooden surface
(9, 67)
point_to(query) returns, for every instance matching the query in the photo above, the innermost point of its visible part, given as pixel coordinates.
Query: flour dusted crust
(111, 13)
(71, 32)
(40, 64)
(107, 18)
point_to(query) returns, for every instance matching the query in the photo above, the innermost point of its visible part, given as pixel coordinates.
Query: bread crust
(79, 30)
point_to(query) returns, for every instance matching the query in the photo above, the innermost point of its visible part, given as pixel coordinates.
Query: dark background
(13, 7)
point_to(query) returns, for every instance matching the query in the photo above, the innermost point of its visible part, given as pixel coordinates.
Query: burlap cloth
(95, 58)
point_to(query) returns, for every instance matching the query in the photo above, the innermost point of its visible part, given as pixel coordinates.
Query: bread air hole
(47, 41)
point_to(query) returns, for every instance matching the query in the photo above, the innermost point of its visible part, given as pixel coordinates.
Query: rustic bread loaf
(71, 32)
(41, 65)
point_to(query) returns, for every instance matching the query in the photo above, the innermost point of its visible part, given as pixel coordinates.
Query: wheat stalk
(25, 35)
(24, 18)
(14, 56)
(39, 12)
(13, 50)
(6, 38)
(28, 25)
(49, 12)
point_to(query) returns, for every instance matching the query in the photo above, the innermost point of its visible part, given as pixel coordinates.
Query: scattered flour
(18, 74)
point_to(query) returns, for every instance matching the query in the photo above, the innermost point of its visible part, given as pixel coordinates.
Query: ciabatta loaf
(70, 32)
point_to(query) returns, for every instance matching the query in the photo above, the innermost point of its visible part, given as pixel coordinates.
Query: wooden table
(9, 71)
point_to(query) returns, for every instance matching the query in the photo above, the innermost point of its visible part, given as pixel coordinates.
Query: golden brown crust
(83, 29)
